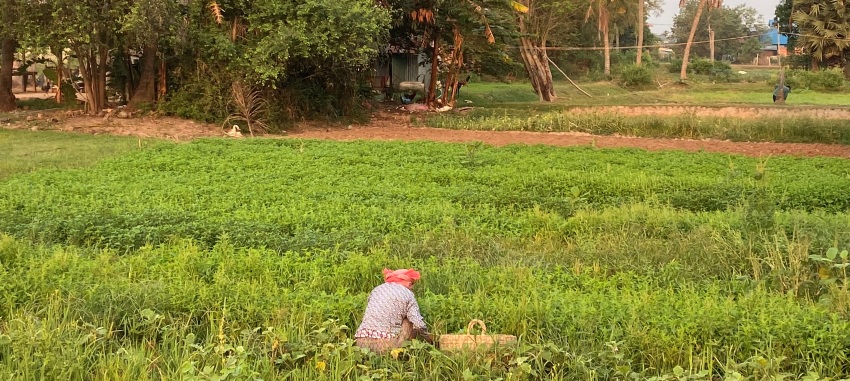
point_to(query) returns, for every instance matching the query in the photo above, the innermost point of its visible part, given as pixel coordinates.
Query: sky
(664, 21)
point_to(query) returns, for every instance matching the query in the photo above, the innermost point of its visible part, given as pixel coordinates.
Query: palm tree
(618, 13)
(711, 4)
(825, 29)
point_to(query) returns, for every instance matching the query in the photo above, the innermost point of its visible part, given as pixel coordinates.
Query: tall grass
(790, 130)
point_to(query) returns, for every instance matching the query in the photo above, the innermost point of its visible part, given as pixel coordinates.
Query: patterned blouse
(387, 306)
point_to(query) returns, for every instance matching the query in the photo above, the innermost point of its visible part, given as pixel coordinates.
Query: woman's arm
(420, 329)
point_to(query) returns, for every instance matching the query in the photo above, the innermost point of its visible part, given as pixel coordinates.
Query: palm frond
(217, 12)
(251, 107)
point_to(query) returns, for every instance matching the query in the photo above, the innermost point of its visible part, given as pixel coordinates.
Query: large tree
(7, 60)
(825, 27)
(538, 20)
(148, 25)
(728, 24)
(9, 33)
(786, 26)
(19, 23)
(448, 26)
(641, 25)
(701, 5)
(621, 15)
(91, 30)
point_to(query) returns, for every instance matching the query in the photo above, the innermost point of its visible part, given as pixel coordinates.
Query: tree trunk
(432, 83)
(103, 57)
(7, 51)
(607, 44)
(60, 73)
(93, 70)
(616, 36)
(456, 65)
(640, 27)
(163, 84)
(146, 91)
(686, 55)
(536, 62)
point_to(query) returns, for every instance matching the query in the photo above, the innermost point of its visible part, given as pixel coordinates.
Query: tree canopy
(295, 58)
(728, 24)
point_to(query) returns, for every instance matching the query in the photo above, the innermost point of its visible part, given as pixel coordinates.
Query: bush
(718, 70)
(832, 79)
(628, 57)
(721, 71)
(799, 61)
(597, 76)
(676, 66)
(701, 66)
(636, 75)
(821, 80)
(205, 99)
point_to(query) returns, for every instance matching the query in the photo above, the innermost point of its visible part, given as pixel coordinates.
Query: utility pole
(711, 41)
(781, 96)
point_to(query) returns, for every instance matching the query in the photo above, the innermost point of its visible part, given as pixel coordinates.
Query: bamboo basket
(472, 342)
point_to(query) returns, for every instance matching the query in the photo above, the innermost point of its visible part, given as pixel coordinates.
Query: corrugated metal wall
(405, 68)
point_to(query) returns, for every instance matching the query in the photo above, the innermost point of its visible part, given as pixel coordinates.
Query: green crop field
(252, 259)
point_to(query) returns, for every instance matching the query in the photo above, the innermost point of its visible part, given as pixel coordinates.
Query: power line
(569, 48)
(816, 36)
(592, 48)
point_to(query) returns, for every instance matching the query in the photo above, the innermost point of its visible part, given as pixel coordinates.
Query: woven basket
(461, 342)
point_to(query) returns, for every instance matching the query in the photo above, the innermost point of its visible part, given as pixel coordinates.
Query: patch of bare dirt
(161, 127)
(720, 112)
(145, 127)
(397, 126)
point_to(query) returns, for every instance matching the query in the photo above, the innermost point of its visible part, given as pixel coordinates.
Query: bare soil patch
(144, 127)
(398, 126)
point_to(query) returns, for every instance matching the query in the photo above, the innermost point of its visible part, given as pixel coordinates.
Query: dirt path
(398, 127)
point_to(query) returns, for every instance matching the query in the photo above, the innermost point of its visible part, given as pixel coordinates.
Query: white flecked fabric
(388, 305)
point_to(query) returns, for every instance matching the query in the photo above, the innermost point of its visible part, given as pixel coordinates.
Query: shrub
(701, 66)
(721, 71)
(821, 80)
(636, 75)
(676, 66)
(832, 79)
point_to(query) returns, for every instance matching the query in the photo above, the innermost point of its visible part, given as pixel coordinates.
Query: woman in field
(392, 314)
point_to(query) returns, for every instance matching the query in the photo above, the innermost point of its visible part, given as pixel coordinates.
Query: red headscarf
(405, 277)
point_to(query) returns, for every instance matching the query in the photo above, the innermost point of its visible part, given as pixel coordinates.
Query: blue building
(769, 40)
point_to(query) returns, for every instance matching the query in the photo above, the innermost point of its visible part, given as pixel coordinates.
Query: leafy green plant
(606, 264)
(634, 75)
